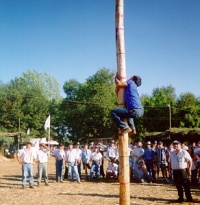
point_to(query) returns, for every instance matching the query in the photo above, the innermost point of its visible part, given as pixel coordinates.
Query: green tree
(188, 110)
(156, 117)
(86, 108)
(28, 99)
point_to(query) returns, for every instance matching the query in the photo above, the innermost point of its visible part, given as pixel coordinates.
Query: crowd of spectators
(148, 161)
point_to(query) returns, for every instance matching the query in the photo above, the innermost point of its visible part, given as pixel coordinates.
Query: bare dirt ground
(85, 193)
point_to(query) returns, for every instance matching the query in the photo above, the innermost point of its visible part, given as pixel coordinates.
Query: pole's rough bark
(124, 178)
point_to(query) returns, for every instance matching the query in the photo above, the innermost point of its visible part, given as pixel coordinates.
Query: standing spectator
(86, 155)
(42, 158)
(197, 153)
(155, 163)
(26, 157)
(96, 162)
(112, 170)
(149, 155)
(179, 160)
(66, 167)
(71, 159)
(102, 149)
(138, 153)
(193, 146)
(170, 149)
(131, 159)
(134, 108)
(194, 179)
(92, 146)
(112, 152)
(59, 155)
(184, 146)
(162, 161)
(79, 152)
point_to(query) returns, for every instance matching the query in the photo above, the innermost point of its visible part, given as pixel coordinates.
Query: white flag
(28, 131)
(47, 123)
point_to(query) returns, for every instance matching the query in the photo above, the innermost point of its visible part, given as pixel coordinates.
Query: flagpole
(49, 132)
(47, 126)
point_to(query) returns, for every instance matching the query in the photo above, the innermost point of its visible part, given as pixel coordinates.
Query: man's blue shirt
(131, 96)
(149, 154)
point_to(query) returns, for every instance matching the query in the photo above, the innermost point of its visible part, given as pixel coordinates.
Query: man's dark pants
(181, 181)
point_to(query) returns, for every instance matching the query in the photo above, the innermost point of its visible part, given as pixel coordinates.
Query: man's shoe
(31, 187)
(133, 131)
(167, 180)
(126, 130)
(23, 187)
(47, 184)
(38, 183)
(180, 199)
(189, 199)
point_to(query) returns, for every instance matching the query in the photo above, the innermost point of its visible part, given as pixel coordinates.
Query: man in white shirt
(95, 159)
(26, 157)
(112, 170)
(138, 153)
(71, 159)
(79, 156)
(112, 152)
(180, 160)
(42, 158)
(59, 155)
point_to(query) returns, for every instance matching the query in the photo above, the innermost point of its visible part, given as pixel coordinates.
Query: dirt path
(85, 193)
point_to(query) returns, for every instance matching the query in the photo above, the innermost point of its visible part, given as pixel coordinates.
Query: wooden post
(124, 178)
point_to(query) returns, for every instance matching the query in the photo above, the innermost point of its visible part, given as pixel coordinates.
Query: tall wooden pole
(124, 178)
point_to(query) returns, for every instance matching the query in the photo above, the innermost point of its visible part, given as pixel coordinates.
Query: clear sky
(72, 39)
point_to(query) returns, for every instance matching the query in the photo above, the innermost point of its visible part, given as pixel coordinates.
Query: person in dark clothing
(149, 155)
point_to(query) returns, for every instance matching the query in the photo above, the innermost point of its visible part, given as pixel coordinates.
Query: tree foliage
(156, 117)
(84, 112)
(86, 107)
(25, 102)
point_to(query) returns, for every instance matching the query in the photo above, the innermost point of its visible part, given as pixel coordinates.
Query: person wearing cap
(149, 155)
(180, 161)
(26, 157)
(42, 158)
(134, 108)
(79, 154)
